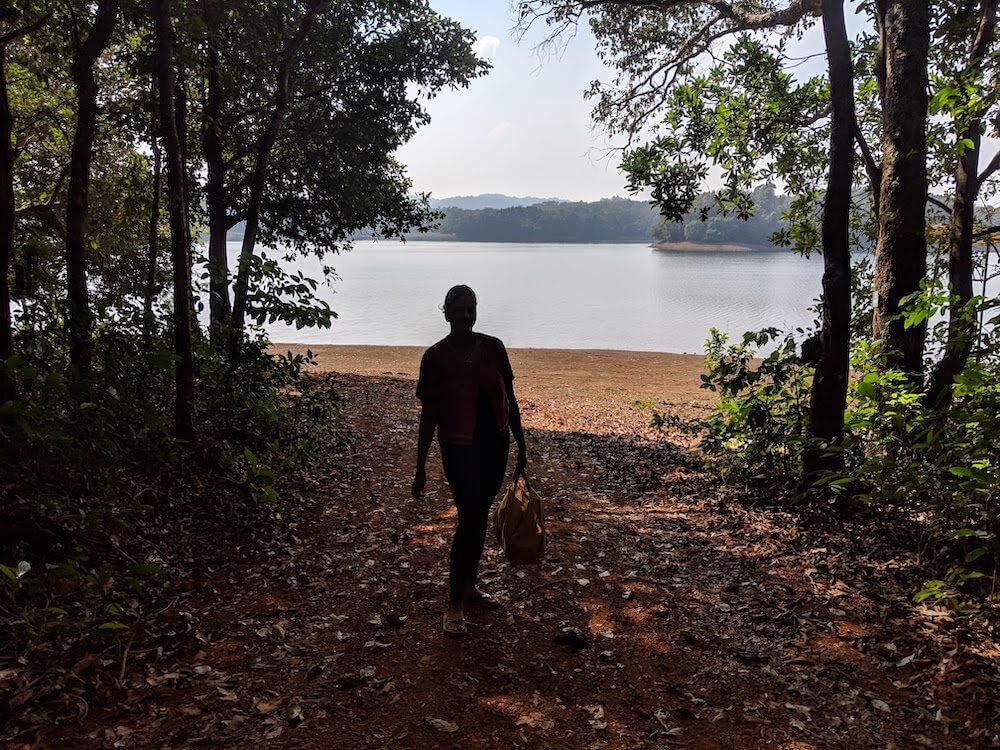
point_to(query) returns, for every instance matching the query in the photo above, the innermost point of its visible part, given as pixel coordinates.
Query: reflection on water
(560, 296)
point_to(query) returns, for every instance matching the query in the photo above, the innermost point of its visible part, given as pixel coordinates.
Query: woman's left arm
(516, 429)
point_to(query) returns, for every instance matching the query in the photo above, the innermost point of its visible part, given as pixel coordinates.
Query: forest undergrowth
(107, 514)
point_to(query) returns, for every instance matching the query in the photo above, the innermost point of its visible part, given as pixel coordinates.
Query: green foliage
(673, 186)
(900, 452)
(288, 297)
(757, 429)
(761, 222)
(744, 116)
(74, 512)
(75, 595)
(949, 590)
(259, 478)
(905, 452)
(360, 86)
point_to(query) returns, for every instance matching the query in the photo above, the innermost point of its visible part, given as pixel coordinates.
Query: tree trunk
(79, 315)
(215, 193)
(179, 251)
(154, 222)
(901, 251)
(6, 226)
(181, 118)
(828, 399)
(961, 328)
(282, 101)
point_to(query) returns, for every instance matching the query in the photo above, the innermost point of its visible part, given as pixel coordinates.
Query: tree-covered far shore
(611, 220)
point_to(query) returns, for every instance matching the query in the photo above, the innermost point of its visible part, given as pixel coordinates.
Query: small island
(712, 247)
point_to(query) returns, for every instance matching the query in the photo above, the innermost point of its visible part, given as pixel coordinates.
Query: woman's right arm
(428, 421)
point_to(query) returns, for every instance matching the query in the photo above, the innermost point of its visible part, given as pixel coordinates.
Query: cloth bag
(519, 524)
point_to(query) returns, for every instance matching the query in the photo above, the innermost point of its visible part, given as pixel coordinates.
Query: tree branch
(39, 207)
(789, 16)
(985, 232)
(980, 48)
(984, 36)
(939, 203)
(873, 170)
(992, 167)
(13, 34)
(794, 12)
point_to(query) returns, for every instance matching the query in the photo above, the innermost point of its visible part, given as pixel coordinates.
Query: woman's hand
(419, 481)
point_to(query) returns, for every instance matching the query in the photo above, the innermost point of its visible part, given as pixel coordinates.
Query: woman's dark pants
(475, 473)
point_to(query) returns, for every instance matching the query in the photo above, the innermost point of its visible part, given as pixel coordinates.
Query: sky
(524, 128)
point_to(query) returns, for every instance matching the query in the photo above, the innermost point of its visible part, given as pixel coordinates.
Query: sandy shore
(592, 373)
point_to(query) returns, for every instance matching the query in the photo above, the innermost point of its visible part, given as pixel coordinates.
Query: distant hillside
(527, 219)
(488, 200)
(607, 220)
(612, 220)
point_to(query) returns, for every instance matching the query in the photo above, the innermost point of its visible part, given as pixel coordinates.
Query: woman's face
(461, 313)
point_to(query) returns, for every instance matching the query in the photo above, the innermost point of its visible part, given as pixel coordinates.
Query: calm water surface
(560, 296)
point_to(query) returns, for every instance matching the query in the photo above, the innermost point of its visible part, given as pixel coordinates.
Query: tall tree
(828, 398)
(901, 251)
(156, 188)
(179, 251)
(282, 103)
(334, 173)
(969, 104)
(306, 159)
(7, 205)
(213, 146)
(6, 220)
(79, 315)
(181, 107)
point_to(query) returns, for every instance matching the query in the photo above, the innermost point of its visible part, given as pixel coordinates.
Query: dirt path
(704, 624)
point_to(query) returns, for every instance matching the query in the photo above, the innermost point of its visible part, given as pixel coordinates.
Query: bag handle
(523, 474)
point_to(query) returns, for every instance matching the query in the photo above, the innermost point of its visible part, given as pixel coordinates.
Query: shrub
(757, 427)
(89, 478)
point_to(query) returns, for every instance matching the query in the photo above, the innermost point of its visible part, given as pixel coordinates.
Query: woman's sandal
(454, 627)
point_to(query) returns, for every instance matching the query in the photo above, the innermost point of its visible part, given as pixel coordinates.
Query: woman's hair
(461, 290)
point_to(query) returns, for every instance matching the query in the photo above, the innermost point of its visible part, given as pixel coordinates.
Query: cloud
(486, 47)
(499, 130)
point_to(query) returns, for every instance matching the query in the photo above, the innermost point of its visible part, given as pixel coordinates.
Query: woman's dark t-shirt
(452, 386)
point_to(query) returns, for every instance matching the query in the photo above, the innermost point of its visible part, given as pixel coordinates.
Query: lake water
(559, 296)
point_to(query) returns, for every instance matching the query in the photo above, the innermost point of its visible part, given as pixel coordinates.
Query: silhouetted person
(466, 393)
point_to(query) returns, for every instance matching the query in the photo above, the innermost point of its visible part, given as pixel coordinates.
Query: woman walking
(466, 393)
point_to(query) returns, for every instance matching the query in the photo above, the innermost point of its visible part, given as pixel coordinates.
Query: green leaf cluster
(756, 431)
